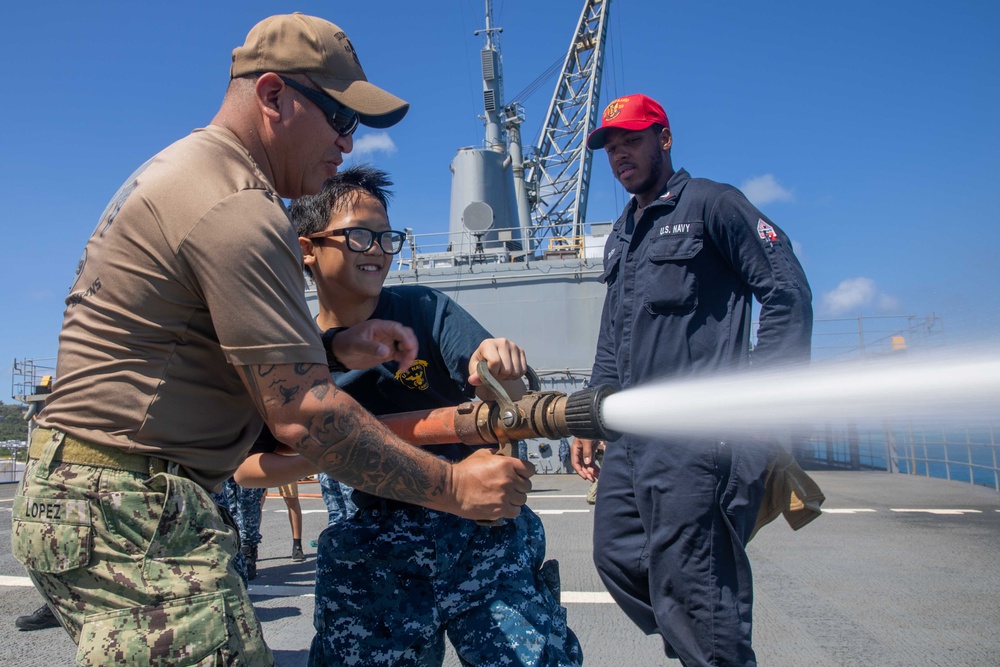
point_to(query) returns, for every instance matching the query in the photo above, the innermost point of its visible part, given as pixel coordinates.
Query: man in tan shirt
(186, 331)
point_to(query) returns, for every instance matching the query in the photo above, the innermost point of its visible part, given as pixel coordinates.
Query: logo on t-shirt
(414, 377)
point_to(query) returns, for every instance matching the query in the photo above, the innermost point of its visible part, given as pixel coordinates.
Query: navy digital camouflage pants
(337, 496)
(244, 506)
(241, 506)
(390, 583)
(138, 569)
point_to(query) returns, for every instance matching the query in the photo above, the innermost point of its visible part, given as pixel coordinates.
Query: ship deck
(898, 571)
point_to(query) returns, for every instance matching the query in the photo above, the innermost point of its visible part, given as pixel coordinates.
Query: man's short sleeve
(244, 257)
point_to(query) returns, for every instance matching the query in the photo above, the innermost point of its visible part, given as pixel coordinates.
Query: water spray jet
(941, 388)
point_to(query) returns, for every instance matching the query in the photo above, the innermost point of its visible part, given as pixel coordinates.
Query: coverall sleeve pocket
(671, 286)
(187, 632)
(51, 535)
(612, 259)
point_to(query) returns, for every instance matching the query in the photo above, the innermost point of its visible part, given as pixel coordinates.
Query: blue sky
(868, 131)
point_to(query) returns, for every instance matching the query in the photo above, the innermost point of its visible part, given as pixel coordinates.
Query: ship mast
(492, 83)
(485, 224)
(502, 203)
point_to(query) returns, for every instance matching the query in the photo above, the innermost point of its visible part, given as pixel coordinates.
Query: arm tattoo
(349, 446)
(265, 384)
(321, 389)
(288, 393)
(341, 437)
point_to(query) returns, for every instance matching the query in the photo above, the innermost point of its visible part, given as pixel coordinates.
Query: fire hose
(537, 414)
(503, 421)
(553, 415)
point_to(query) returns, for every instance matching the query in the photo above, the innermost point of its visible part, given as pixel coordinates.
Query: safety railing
(13, 458)
(967, 453)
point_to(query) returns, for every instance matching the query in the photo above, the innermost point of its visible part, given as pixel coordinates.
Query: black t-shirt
(447, 336)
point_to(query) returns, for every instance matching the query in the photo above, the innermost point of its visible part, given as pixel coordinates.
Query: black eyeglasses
(342, 119)
(361, 239)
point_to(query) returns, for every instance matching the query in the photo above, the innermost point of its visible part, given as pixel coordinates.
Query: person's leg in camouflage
(137, 569)
(337, 497)
(509, 611)
(246, 504)
(380, 610)
(416, 574)
(222, 500)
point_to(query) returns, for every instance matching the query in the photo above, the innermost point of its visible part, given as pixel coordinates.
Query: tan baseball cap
(296, 43)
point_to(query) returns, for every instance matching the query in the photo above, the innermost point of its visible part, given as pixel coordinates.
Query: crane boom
(559, 172)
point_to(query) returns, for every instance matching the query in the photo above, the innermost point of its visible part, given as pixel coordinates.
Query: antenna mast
(492, 83)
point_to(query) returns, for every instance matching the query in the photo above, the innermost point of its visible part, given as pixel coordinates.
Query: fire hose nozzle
(583, 414)
(537, 414)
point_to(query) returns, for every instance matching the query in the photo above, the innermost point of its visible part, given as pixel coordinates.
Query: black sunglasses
(342, 119)
(361, 239)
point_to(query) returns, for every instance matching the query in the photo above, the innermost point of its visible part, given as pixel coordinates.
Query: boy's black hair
(311, 214)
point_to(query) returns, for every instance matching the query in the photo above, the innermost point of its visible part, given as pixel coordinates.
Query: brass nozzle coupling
(546, 414)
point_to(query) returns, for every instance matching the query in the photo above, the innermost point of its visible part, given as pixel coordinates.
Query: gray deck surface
(899, 571)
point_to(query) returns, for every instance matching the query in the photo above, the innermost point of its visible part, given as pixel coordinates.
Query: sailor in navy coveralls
(683, 265)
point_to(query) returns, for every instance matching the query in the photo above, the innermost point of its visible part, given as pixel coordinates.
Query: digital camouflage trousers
(138, 568)
(391, 583)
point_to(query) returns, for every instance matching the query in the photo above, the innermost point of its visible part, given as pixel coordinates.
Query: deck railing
(966, 453)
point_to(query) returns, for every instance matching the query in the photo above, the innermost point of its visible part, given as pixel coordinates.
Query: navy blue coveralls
(673, 516)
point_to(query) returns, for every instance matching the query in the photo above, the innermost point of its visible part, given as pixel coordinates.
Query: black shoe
(297, 554)
(250, 555)
(40, 619)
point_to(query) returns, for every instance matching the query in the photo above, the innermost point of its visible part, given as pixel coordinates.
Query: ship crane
(558, 175)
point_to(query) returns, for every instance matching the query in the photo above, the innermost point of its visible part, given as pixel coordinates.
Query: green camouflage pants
(138, 569)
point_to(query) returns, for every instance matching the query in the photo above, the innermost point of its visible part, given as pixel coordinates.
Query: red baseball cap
(631, 112)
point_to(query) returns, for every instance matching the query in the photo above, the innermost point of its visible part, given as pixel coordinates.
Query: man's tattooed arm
(306, 410)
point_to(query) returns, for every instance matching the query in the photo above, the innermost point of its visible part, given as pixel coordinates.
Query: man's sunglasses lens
(345, 121)
(342, 119)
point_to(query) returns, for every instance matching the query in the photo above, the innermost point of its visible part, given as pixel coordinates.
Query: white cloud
(370, 143)
(765, 189)
(854, 294)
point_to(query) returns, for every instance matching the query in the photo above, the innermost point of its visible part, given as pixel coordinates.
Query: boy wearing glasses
(394, 579)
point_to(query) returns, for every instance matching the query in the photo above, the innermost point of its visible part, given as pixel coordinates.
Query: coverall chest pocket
(671, 285)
